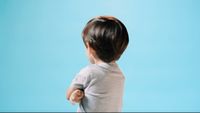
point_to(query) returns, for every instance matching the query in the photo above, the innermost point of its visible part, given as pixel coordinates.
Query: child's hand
(76, 96)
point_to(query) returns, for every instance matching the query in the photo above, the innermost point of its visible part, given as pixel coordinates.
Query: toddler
(99, 86)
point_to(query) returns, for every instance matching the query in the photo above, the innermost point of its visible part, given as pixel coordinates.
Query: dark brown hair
(107, 36)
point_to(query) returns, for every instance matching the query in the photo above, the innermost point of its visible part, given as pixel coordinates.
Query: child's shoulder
(89, 69)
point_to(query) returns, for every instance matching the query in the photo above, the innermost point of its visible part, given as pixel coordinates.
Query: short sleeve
(82, 79)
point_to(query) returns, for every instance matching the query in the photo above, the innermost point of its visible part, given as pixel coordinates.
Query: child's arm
(74, 95)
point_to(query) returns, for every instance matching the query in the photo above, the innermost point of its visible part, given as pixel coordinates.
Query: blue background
(41, 50)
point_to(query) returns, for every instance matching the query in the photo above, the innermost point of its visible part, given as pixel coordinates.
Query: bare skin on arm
(74, 95)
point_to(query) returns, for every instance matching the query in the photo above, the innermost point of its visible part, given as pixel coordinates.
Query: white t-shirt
(103, 86)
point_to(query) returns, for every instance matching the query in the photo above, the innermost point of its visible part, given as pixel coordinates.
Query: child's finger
(76, 96)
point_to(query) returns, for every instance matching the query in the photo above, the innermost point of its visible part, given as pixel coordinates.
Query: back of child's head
(107, 36)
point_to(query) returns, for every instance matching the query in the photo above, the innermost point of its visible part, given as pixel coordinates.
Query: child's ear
(89, 49)
(87, 44)
(89, 53)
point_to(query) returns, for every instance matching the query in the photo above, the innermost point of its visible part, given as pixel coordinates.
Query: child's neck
(100, 61)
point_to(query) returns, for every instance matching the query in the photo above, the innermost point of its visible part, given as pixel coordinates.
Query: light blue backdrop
(41, 50)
